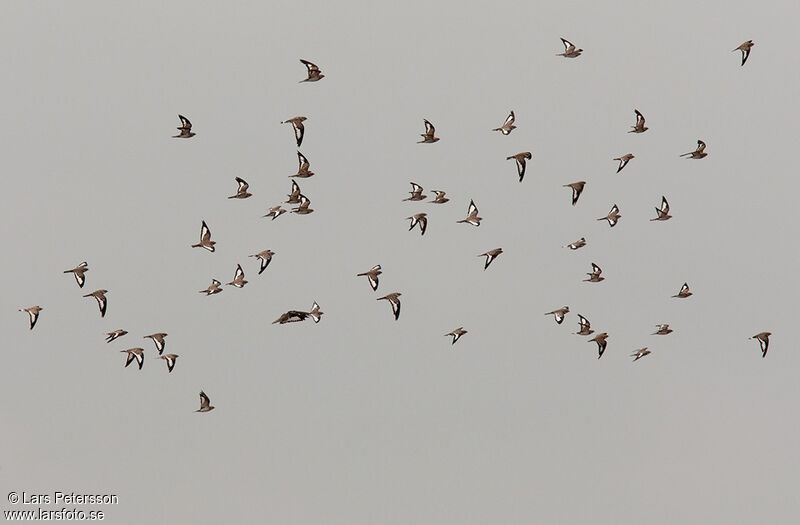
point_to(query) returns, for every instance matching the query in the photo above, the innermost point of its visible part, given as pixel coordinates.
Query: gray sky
(361, 419)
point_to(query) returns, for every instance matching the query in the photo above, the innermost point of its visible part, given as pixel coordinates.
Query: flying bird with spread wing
(570, 51)
(314, 73)
(185, 129)
(429, 136)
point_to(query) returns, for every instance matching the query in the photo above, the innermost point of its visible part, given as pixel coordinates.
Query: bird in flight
(763, 340)
(508, 126)
(745, 49)
(580, 243)
(293, 316)
(612, 217)
(421, 219)
(185, 129)
(600, 339)
(303, 208)
(372, 276)
(110, 336)
(456, 334)
(238, 278)
(428, 137)
(521, 159)
(440, 197)
(663, 329)
(302, 169)
(100, 296)
(214, 287)
(640, 353)
(264, 257)
(577, 189)
(569, 50)
(416, 193)
(594, 276)
(299, 129)
(584, 327)
(663, 212)
(395, 302)
(559, 314)
(33, 314)
(241, 192)
(158, 340)
(639, 127)
(79, 273)
(170, 359)
(491, 255)
(472, 215)
(698, 153)
(275, 212)
(314, 73)
(294, 196)
(624, 160)
(205, 239)
(134, 353)
(684, 292)
(205, 403)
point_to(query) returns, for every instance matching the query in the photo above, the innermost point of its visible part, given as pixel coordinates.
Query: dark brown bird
(577, 189)
(521, 159)
(314, 72)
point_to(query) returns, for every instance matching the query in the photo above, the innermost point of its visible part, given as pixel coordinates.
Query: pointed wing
(664, 205)
(185, 123)
(310, 65)
(264, 263)
(601, 347)
(745, 53)
(429, 129)
(639, 118)
(101, 303)
(415, 188)
(204, 401)
(596, 269)
(684, 288)
(239, 273)
(373, 281)
(34, 316)
(473, 210)
(301, 161)
(205, 233)
(509, 119)
(299, 130)
(423, 224)
(567, 44)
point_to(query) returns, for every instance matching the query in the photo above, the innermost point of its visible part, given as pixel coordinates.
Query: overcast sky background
(361, 419)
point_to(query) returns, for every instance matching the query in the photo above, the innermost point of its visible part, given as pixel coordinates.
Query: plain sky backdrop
(361, 419)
